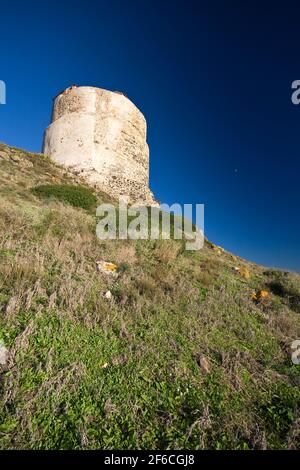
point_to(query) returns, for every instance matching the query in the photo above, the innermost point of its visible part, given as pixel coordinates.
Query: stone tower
(101, 135)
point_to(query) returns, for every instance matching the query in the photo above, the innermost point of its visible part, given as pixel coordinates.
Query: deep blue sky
(214, 82)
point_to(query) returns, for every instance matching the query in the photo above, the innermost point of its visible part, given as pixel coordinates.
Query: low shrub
(77, 196)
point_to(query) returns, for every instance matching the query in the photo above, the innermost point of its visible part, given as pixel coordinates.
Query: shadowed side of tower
(101, 135)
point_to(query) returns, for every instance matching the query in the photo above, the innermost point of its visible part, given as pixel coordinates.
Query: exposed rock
(4, 156)
(12, 306)
(260, 294)
(107, 267)
(3, 354)
(108, 295)
(243, 272)
(204, 364)
(22, 162)
(218, 249)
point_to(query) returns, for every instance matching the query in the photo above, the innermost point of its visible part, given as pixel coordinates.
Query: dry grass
(166, 250)
(191, 361)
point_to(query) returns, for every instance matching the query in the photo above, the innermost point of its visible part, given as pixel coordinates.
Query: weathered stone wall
(101, 135)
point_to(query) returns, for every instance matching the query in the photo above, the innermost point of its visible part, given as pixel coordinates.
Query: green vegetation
(180, 357)
(77, 196)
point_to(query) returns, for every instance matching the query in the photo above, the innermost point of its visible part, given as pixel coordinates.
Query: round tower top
(89, 99)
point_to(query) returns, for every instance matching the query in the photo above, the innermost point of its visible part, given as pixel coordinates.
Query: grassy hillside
(180, 357)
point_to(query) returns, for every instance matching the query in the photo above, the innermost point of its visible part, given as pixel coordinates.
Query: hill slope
(181, 355)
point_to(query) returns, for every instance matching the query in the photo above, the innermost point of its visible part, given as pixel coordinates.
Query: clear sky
(214, 82)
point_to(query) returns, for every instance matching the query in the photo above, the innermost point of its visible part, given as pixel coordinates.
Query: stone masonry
(101, 135)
